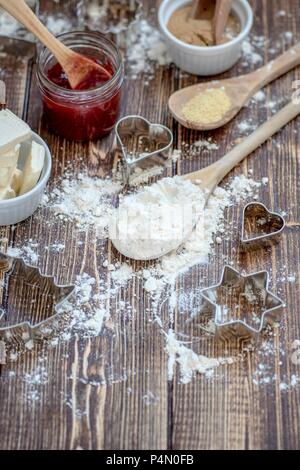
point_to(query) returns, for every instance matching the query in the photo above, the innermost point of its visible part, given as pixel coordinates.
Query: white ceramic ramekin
(205, 60)
(13, 211)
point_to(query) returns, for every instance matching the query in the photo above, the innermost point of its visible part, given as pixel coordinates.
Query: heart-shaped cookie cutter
(269, 226)
(142, 144)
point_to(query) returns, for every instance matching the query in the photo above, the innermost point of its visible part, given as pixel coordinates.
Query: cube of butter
(16, 181)
(8, 165)
(33, 168)
(13, 131)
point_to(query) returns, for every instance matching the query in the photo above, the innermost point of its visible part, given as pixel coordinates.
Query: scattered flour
(250, 56)
(259, 96)
(11, 28)
(26, 252)
(84, 199)
(98, 16)
(122, 274)
(35, 380)
(242, 187)
(281, 13)
(86, 311)
(57, 24)
(188, 361)
(150, 399)
(288, 35)
(145, 48)
(245, 126)
(176, 155)
(206, 144)
(140, 176)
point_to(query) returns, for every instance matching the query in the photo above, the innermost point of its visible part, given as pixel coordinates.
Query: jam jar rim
(107, 89)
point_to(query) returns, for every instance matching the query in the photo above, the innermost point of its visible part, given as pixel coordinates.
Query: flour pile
(156, 219)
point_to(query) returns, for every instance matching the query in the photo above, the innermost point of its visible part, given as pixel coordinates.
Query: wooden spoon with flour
(142, 209)
(238, 91)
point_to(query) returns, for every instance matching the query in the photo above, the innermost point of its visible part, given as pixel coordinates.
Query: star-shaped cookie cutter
(44, 294)
(224, 304)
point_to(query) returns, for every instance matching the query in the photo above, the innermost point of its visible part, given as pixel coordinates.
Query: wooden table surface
(229, 411)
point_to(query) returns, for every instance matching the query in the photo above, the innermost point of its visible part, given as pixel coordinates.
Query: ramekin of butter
(205, 60)
(25, 167)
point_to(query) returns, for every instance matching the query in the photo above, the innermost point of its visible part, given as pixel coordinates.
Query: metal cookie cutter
(139, 143)
(260, 227)
(241, 305)
(31, 303)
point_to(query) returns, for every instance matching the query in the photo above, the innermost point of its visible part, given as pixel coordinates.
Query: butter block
(8, 165)
(13, 131)
(7, 193)
(16, 181)
(33, 168)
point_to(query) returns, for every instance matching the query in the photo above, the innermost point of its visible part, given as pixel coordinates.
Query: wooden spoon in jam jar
(78, 68)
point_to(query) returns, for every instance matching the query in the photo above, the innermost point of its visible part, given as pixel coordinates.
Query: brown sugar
(207, 107)
(199, 32)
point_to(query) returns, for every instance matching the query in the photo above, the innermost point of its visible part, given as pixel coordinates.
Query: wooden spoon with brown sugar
(237, 89)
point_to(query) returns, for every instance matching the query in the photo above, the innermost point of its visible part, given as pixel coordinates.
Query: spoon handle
(221, 16)
(199, 7)
(21, 12)
(277, 67)
(212, 175)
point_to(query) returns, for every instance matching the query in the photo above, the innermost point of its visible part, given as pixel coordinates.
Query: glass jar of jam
(91, 111)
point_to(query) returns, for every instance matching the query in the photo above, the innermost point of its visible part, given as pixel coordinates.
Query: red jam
(86, 113)
(94, 79)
